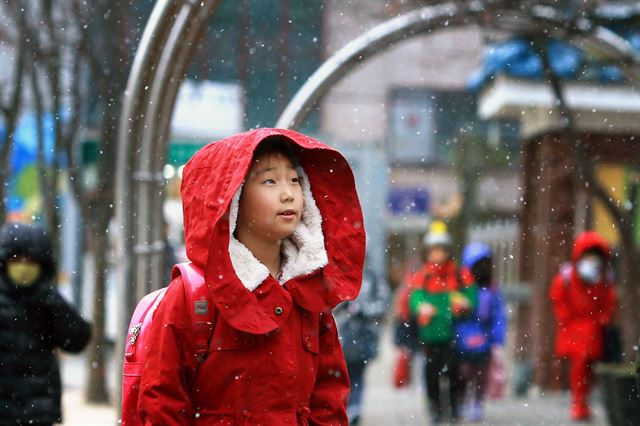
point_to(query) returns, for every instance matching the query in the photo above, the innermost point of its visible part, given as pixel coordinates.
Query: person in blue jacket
(480, 335)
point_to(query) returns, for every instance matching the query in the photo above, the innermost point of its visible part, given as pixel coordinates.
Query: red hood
(211, 179)
(589, 240)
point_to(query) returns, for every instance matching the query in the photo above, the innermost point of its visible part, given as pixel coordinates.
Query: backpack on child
(202, 314)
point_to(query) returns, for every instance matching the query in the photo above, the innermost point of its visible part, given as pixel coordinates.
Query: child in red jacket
(584, 301)
(273, 218)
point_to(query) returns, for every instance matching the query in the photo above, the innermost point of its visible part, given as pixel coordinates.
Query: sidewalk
(75, 409)
(78, 413)
(383, 405)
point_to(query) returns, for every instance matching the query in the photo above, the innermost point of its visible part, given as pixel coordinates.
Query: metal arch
(595, 39)
(359, 50)
(157, 71)
(161, 61)
(165, 51)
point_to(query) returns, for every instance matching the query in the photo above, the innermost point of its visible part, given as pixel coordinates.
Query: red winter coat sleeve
(328, 404)
(558, 295)
(164, 396)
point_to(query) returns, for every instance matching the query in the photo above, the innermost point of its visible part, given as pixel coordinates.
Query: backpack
(471, 338)
(202, 317)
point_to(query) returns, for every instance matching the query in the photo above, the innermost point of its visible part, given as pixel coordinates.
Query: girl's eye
(295, 180)
(270, 181)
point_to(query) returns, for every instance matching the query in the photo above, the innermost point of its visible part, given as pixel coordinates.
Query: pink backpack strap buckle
(201, 308)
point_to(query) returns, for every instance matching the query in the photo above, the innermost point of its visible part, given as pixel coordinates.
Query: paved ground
(383, 405)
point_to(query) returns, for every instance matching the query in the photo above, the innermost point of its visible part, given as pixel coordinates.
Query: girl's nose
(287, 193)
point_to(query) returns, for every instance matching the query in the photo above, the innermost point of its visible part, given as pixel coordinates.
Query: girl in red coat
(584, 302)
(273, 219)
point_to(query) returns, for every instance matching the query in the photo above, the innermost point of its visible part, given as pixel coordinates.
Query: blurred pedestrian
(584, 301)
(440, 292)
(34, 321)
(359, 324)
(480, 336)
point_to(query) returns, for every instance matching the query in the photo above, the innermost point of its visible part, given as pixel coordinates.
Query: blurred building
(412, 105)
(604, 136)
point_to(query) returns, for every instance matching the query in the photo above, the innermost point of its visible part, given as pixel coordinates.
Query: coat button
(279, 310)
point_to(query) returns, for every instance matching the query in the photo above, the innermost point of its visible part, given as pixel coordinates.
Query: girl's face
(271, 201)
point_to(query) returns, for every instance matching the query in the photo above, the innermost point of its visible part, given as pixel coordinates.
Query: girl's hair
(277, 145)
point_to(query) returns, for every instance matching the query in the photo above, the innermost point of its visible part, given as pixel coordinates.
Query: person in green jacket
(440, 292)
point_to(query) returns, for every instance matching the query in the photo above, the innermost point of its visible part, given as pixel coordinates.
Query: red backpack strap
(201, 308)
(140, 320)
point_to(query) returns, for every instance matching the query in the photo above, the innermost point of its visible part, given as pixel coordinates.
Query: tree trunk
(96, 390)
(11, 112)
(110, 81)
(47, 174)
(551, 231)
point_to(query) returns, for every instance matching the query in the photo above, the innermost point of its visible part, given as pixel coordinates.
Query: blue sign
(408, 201)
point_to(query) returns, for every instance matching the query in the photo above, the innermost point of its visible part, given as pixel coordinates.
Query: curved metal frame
(598, 40)
(165, 51)
(156, 75)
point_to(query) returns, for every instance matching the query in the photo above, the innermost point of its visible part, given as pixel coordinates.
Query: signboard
(403, 201)
(208, 110)
(411, 126)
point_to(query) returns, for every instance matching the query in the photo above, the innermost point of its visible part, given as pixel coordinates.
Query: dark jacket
(360, 321)
(34, 321)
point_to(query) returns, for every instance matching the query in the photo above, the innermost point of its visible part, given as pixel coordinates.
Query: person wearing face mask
(584, 301)
(34, 321)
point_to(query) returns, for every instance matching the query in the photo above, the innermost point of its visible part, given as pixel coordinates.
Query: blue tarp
(519, 57)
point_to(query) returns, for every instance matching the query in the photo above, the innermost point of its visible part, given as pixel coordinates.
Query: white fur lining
(303, 252)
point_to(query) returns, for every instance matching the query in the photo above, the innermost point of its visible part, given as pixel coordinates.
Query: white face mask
(590, 270)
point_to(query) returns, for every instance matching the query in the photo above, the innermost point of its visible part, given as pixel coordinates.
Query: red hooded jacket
(274, 357)
(581, 309)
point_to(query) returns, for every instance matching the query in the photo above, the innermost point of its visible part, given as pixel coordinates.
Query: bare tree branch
(86, 45)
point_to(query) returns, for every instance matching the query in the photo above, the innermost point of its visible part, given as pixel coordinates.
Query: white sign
(208, 110)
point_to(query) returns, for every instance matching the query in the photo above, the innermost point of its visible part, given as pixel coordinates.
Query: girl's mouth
(288, 214)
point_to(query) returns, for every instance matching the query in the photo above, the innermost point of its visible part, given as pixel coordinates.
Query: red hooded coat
(581, 309)
(274, 357)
